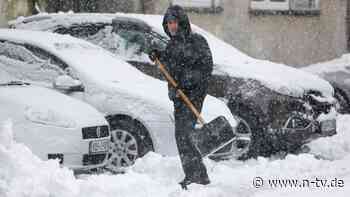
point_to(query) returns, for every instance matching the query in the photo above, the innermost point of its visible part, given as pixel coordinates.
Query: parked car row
(281, 105)
(136, 106)
(70, 94)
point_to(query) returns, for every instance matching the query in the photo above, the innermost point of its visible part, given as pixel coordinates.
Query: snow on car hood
(45, 106)
(228, 60)
(341, 64)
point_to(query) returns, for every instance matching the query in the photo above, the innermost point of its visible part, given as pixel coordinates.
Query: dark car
(283, 107)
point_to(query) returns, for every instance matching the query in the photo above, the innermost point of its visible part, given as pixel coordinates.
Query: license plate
(99, 146)
(328, 126)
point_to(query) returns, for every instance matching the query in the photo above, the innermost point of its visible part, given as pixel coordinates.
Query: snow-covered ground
(24, 174)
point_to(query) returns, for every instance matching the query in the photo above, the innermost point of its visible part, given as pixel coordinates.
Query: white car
(136, 105)
(53, 125)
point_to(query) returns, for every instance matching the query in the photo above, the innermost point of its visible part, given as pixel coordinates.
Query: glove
(154, 54)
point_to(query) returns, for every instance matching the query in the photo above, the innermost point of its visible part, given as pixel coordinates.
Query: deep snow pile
(23, 174)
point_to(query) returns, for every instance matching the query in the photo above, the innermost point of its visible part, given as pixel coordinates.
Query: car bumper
(297, 137)
(84, 161)
(87, 159)
(65, 144)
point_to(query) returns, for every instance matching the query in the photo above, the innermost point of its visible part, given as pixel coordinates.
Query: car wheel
(129, 141)
(343, 103)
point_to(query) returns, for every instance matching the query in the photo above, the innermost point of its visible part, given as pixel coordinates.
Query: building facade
(10, 9)
(294, 32)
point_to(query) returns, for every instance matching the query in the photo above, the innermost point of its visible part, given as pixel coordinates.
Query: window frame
(268, 7)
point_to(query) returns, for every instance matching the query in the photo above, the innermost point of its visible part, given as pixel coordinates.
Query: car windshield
(14, 83)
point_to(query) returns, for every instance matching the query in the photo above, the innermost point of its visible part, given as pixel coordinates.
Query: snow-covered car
(337, 72)
(53, 125)
(283, 106)
(136, 105)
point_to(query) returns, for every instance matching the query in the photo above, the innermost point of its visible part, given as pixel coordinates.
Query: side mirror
(68, 84)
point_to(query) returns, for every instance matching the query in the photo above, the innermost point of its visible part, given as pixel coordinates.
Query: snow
(66, 81)
(228, 59)
(24, 174)
(58, 109)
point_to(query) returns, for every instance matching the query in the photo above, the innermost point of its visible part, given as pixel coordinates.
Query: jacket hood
(180, 14)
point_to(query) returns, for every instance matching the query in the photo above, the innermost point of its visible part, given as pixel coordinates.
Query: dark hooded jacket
(187, 56)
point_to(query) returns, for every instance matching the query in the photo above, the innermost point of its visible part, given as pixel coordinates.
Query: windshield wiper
(14, 83)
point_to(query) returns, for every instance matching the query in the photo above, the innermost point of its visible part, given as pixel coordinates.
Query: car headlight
(48, 117)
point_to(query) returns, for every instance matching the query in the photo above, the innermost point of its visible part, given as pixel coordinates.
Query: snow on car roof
(228, 60)
(46, 21)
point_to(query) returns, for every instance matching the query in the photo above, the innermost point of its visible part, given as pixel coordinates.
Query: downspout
(347, 20)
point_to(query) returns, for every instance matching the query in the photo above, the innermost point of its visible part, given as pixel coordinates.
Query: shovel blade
(213, 135)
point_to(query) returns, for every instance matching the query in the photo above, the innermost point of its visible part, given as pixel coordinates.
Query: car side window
(156, 40)
(25, 65)
(44, 55)
(82, 30)
(54, 61)
(139, 42)
(16, 52)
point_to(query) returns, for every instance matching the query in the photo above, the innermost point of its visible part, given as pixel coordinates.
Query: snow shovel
(212, 136)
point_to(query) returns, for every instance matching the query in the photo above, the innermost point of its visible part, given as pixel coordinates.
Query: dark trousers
(190, 156)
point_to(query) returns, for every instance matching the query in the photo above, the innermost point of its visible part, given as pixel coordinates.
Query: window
(134, 40)
(137, 42)
(25, 64)
(44, 55)
(16, 52)
(82, 30)
(270, 4)
(214, 6)
(303, 7)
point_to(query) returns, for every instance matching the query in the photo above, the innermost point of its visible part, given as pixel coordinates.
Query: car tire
(129, 140)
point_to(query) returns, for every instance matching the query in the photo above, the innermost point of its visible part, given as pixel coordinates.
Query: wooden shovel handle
(173, 83)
